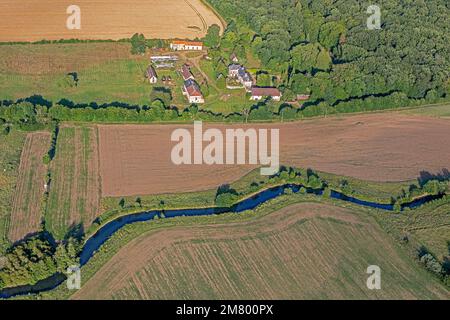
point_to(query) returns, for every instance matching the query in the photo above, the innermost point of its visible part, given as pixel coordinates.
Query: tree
(330, 34)
(138, 44)
(212, 38)
(226, 196)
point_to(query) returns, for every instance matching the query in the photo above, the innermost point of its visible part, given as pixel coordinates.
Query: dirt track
(275, 257)
(135, 159)
(30, 20)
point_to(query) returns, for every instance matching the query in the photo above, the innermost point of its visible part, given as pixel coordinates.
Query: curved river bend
(105, 232)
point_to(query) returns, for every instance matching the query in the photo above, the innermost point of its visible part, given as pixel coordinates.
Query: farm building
(261, 93)
(164, 58)
(192, 91)
(238, 72)
(234, 58)
(151, 75)
(186, 45)
(186, 73)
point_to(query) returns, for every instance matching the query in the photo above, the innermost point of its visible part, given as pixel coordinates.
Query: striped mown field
(27, 209)
(74, 195)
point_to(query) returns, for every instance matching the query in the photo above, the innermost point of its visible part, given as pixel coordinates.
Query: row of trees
(27, 114)
(226, 196)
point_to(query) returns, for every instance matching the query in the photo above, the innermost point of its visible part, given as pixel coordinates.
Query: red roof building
(260, 93)
(192, 91)
(186, 73)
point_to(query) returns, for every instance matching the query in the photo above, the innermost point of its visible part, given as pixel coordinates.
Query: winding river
(105, 232)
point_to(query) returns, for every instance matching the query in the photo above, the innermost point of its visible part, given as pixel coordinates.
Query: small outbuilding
(151, 75)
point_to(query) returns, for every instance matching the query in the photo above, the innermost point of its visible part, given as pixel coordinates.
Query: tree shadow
(225, 188)
(36, 100)
(43, 235)
(94, 105)
(426, 176)
(76, 231)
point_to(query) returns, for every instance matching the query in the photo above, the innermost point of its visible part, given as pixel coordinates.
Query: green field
(439, 111)
(11, 148)
(106, 73)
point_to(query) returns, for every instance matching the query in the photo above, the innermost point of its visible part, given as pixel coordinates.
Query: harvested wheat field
(75, 187)
(27, 210)
(274, 257)
(136, 159)
(30, 20)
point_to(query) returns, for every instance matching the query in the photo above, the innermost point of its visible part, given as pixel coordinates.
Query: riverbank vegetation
(37, 258)
(253, 183)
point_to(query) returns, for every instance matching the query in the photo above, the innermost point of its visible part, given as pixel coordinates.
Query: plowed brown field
(31, 20)
(135, 159)
(27, 208)
(304, 251)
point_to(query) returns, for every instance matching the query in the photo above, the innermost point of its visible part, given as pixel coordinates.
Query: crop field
(28, 20)
(307, 250)
(135, 159)
(27, 209)
(74, 194)
(11, 147)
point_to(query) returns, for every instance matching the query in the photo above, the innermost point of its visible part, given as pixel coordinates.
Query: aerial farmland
(138, 141)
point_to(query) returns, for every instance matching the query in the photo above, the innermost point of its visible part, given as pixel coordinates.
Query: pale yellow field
(31, 20)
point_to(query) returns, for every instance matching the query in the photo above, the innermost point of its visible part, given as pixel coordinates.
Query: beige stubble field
(31, 20)
(135, 159)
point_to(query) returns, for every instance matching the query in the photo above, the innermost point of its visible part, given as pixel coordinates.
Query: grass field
(100, 19)
(27, 209)
(11, 148)
(275, 257)
(439, 111)
(74, 195)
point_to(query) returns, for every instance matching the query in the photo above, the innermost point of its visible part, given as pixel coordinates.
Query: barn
(186, 45)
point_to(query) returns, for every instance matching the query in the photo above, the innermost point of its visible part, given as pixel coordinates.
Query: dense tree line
(324, 47)
(36, 259)
(30, 115)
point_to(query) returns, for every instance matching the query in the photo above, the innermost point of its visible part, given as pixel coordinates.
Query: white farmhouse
(186, 45)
